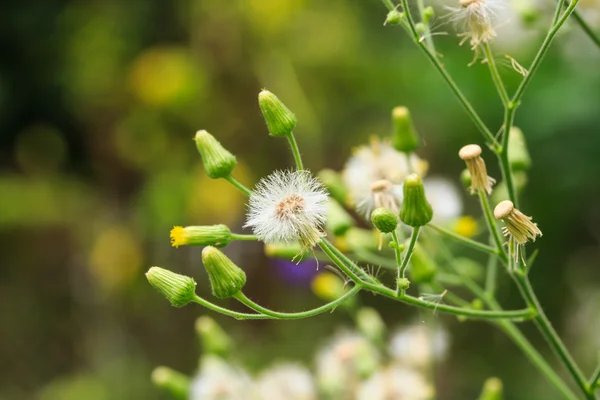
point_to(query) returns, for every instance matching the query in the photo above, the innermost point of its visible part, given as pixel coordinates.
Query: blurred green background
(99, 101)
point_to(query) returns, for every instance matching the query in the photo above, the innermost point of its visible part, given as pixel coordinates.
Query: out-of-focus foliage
(99, 102)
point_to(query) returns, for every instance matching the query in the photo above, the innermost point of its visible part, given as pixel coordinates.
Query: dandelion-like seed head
(476, 19)
(288, 206)
(374, 175)
(471, 155)
(517, 225)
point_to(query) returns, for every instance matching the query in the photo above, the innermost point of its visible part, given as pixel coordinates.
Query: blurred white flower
(418, 345)
(476, 19)
(218, 380)
(396, 383)
(341, 365)
(445, 199)
(374, 175)
(288, 206)
(286, 381)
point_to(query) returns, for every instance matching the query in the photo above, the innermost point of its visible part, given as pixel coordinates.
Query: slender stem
(595, 379)
(491, 223)
(411, 248)
(542, 51)
(509, 116)
(427, 33)
(519, 315)
(225, 311)
(546, 329)
(445, 75)
(327, 249)
(594, 37)
(242, 236)
(495, 74)
(356, 270)
(466, 241)
(398, 254)
(366, 255)
(296, 315)
(557, 11)
(238, 185)
(491, 276)
(453, 298)
(295, 151)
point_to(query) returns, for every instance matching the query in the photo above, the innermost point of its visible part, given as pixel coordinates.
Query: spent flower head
(471, 155)
(517, 225)
(288, 206)
(476, 19)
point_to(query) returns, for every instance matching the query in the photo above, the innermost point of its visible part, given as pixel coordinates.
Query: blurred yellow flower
(328, 286)
(116, 258)
(466, 226)
(270, 17)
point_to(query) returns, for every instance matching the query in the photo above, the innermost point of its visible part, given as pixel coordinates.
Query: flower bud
(465, 178)
(394, 17)
(518, 156)
(403, 283)
(218, 162)
(423, 268)
(415, 211)
(226, 278)
(492, 389)
(338, 220)
(214, 235)
(286, 251)
(173, 382)
(385, 220)
(280, 120)
(428, 13)
(334, 184)
(471, 155)
(370, 324)
(178, 289)
(213, 338)
(404, 137)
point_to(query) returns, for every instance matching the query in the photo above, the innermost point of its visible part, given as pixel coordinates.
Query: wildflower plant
(384, 182)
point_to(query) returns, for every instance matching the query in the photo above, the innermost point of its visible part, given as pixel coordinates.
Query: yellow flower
(466, 226)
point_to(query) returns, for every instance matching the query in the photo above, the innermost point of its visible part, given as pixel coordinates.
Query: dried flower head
(476, 19)
(288, 206)
(374, 175)
(471, 155)
(517, 225)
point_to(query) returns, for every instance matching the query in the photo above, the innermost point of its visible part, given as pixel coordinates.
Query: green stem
(349, 264)
(491, 276)
(225, 311)
(241, 236)
(295, 151)
(445, 75)
(466, 241)
(546, 329)
(491, 223)
(507, 175)
(427, 33)
(366, 255)
(411, 248)
(586, 28)
(238, 185)
(297, 315)
(495, 74)
(595, 379)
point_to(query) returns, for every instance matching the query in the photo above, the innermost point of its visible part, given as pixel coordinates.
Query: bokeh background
(99, 101)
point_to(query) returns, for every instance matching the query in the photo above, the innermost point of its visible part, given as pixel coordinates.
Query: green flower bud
(423, 267)
(178, 289)
(518, 156)
(404, 137)
(528, 11)
(286, 251)
(338, 219)
(403, 283)
(226, 278)
(214, 235)
(465, 178)
(213, 338)
(370, 324)
(173, 382)
(415, 211)
(477, 304)
(384, 219)
(218, 162)
(334, 184)
(428, 13)
(492, 389)
(421, 27)
(394, 17)
(280, 120)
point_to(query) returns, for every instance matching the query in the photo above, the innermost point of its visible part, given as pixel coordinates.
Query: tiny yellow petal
(178, 237)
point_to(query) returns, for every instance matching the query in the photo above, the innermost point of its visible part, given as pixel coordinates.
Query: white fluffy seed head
(476, 19)
(374, 175)
(288, 206)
